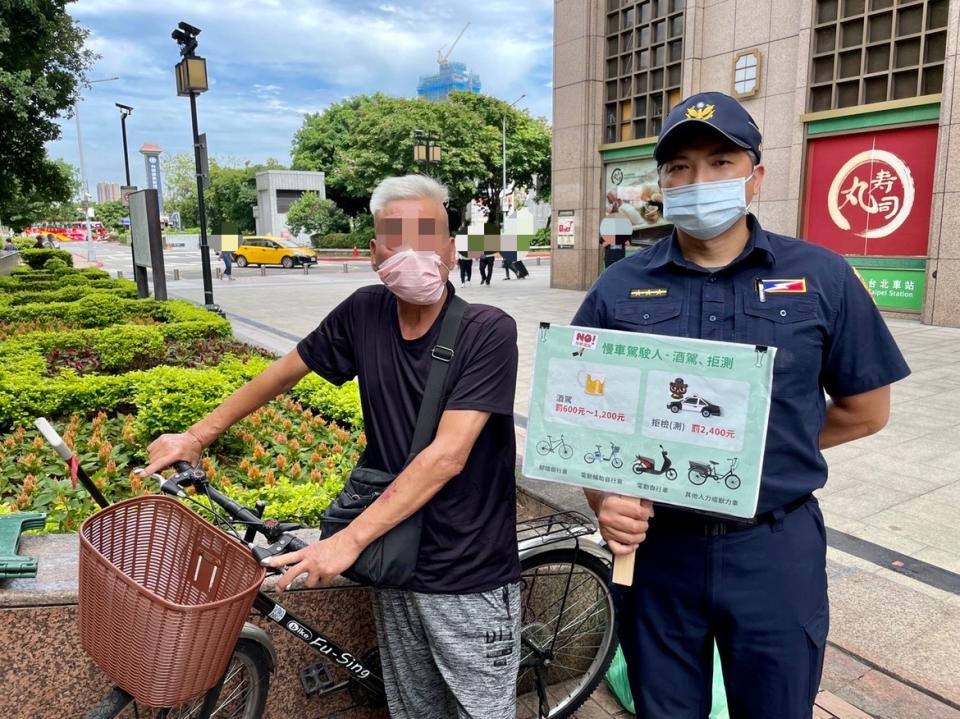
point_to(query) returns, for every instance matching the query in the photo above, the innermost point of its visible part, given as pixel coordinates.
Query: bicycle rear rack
(552, 528)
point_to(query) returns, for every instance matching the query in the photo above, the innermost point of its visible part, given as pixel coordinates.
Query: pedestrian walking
(449, 638)
(756, 587)
(509, 258)
(227, 257)
(486, 267)
(465, 262)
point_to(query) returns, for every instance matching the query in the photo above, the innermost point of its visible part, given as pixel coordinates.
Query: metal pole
(126, 156)
(503, 187)
(126, 170)
(85, 190)
(201, 210)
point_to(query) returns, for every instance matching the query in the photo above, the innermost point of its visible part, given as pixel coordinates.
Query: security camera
(188, 28)
(125, 108)
(180, 36)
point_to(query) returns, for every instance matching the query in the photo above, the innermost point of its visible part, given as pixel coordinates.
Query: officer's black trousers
(761, 593)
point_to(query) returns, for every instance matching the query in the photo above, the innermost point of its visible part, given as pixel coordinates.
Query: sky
(271, 61)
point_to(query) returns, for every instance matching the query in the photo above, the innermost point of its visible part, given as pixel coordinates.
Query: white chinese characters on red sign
(872, 194)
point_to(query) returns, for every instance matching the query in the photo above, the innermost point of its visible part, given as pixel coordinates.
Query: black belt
(709, 526)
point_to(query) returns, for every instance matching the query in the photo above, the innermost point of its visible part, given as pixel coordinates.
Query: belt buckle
(715, 529)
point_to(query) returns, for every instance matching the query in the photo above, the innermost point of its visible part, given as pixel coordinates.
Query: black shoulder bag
(391, 560)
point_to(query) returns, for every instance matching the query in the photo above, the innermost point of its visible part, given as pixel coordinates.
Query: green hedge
(37, 258)
(341, 404)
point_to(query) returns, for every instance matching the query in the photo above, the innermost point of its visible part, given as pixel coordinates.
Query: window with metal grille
(644, 56)
(876, 50)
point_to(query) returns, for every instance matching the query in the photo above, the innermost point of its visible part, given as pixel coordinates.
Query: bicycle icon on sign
(551, 445)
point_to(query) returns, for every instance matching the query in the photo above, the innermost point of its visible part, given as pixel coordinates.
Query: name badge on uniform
(781, 287)
(649, 292)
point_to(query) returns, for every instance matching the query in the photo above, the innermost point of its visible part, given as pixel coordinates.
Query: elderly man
(434, 634)
(758, 587)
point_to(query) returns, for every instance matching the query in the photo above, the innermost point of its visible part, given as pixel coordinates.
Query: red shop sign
(871, 193)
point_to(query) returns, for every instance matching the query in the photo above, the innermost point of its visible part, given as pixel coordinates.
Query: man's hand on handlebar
(321, 562)
(169, 448)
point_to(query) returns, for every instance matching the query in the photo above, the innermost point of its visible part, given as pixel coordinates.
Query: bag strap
(443, 353)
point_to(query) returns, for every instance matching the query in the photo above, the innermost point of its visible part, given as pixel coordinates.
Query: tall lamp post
(85, 188)
(125, 112)
(191, 74)
(503, 197)
(426, 149)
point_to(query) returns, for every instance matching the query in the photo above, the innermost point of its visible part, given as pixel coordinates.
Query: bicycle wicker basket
(163, 596)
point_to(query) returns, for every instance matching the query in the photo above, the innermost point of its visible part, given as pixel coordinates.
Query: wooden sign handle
(623, 569)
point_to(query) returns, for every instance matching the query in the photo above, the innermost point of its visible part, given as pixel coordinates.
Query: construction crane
(441, 57)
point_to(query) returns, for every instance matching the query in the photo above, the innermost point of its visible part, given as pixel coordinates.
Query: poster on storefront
(633, 191)
(870, 193)
(566, 229)
(676, 420)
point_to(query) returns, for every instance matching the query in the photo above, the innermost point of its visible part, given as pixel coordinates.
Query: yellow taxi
(265, 250)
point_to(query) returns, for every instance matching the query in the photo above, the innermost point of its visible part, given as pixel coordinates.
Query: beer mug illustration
(592, 382)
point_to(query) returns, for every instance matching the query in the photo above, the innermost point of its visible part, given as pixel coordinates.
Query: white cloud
(272, 61)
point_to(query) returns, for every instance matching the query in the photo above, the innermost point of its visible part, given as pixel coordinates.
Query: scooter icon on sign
(645, 465)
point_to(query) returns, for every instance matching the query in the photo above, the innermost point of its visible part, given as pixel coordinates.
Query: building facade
(856, 100)
(108, 192)
(276, 191)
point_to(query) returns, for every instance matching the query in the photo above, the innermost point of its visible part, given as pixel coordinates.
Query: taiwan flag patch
(783, 286)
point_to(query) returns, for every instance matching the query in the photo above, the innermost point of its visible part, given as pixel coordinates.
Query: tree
(232, 196)
(359, 141)
(180, 188)
(42, 65)
(52, 200)
(111, 214)
(316, 216)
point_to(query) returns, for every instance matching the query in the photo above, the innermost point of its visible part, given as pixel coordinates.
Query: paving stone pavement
(897, 491)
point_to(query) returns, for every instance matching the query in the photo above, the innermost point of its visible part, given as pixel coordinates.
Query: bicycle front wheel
(568, 635)
(243, 695)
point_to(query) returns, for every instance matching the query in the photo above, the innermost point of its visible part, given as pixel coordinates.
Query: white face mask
(413, 276)
(706, 209)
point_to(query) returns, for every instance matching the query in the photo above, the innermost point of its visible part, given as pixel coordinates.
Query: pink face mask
(413, 277)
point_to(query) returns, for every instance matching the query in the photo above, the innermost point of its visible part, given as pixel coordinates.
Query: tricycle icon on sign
(646, 465)
(597, 456)
(700, 473)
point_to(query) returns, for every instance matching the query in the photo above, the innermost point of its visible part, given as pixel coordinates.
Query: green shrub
(122, 346)
(98, 309)
(170, 399)
(37, 258)
(54, 264)
(24, 243)
(340, 404)
(541, 238)
(335, 240)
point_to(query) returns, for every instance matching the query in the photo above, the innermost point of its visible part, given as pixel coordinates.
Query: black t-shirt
(468, 542)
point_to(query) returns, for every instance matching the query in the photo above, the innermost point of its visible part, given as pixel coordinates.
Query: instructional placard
(676, 420)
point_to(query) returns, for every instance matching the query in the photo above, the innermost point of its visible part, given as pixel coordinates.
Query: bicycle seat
(712, 462)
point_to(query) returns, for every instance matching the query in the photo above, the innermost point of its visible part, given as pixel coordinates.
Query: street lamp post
(85, 188)
(426, 149)
(125, 112)
(503, 188)
(191, 74)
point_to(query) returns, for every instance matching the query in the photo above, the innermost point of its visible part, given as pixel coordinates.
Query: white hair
(408, 187)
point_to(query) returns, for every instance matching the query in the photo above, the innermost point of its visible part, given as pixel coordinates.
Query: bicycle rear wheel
(243, 695)
(568, 631)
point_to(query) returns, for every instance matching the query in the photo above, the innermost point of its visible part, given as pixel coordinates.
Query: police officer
(758, 588)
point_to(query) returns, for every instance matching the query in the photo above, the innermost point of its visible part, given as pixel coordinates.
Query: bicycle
(567, 626)
(550, 445)
(597, 456)
(700, 473)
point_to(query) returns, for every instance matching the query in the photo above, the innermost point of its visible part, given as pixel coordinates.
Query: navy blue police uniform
(758, 588)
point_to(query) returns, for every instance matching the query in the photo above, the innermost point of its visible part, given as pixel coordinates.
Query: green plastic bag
(620, 685)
